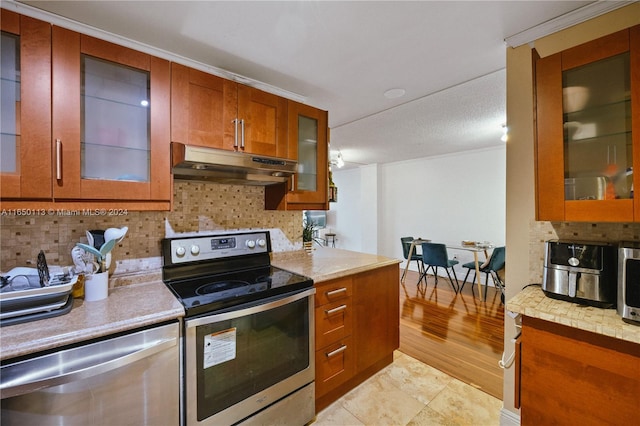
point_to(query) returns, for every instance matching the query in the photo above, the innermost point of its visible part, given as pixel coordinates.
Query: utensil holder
(96, 286)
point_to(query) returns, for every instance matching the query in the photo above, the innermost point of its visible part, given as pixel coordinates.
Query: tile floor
(409, 392)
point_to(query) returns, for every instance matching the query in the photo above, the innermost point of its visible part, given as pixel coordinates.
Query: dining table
(474, 247)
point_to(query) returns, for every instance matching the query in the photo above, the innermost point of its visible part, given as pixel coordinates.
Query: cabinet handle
(334, 310)
(336, 291)
(336, 352)
(235, 135)
(242, 138)
(58, 159)
(293, 183)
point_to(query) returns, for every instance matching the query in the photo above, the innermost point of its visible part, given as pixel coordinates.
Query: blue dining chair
(496, 263)
(406, 246)
(435, 255)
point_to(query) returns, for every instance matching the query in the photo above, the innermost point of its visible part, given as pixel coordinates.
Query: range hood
(221, 166)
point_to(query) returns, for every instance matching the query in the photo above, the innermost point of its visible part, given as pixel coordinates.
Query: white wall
(343, 217)
(447, 198)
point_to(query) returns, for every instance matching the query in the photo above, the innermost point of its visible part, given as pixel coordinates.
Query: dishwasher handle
(28, 376)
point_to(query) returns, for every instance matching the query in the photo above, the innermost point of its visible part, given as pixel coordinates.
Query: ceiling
(448, 56)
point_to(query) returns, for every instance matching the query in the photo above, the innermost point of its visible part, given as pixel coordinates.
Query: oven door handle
(253, 309)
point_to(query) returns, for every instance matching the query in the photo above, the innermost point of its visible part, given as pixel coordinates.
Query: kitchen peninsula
(357, 315)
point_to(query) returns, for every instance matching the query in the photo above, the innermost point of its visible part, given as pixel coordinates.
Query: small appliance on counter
(628, 306)
(581, 272)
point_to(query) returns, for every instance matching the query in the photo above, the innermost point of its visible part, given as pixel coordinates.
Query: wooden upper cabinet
(25, 156)
(203, 108)
(308, 189)
(587, 139)
(210, 111)
(111, 121)
(263, 123)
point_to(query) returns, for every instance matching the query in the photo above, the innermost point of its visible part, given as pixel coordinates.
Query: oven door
(241, 361)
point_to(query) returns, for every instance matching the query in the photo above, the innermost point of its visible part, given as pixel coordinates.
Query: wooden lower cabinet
(570, 376)
(357, 322)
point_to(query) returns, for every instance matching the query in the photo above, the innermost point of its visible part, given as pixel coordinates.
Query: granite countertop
(143, 299)
(325, 263)
(127, 307)
(532, 302)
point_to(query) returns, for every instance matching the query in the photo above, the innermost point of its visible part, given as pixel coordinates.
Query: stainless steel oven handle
(335, 310)
(30, 381)
(248, 311)
(336, 352)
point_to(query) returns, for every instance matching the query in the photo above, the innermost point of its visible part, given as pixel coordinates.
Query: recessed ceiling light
(394, 93)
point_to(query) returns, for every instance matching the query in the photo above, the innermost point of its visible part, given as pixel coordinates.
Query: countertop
(143, 299)
(325, 263)
(127, 307)
(532, 302)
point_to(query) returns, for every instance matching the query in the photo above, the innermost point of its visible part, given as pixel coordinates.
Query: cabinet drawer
(333, 290)
(334, 365)
(333, 322)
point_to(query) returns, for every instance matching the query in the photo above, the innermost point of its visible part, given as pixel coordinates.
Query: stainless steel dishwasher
(129, 379)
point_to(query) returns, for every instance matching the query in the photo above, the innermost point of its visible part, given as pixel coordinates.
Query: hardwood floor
(458, 334)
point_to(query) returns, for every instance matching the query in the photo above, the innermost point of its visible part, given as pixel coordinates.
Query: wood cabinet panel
(377, 315)
(360, 340)
(333, 291)
(67, 48)
(203, 107)
(604, 47)
(264, 117)
(598, 108)
(550, 153)
(634, 44)
(295, 196)
(571, 376)
(333, 322)
(32, 178)
(334, 366)
(517, 372)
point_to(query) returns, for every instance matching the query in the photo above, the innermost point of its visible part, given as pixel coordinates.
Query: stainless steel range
(248, 331)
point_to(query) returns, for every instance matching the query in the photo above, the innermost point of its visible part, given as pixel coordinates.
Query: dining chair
(435, 255)
(492, 266)
(406, 247)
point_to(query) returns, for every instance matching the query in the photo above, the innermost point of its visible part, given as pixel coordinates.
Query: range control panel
(190, 249)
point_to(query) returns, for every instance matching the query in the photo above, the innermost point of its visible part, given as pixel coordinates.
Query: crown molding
(33, 12)
(564, 21)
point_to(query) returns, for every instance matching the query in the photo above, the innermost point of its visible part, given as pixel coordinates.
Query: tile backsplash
(540, 232)
(197, 207)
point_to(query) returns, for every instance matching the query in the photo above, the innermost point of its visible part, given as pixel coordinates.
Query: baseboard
(509, 418)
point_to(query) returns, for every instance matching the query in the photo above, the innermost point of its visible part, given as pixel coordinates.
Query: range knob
(250, 243)
(262, 243)
(180, 251)
(195, 250)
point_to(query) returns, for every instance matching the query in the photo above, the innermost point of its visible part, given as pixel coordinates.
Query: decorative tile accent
(540, 232)
(197, 207)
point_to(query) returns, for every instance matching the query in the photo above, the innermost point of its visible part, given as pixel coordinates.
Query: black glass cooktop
(206, 294)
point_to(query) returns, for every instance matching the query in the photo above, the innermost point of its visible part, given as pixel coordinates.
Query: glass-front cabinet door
(114, 121)
(25, 115)
(586, 100)
(598, 148)
(110, 121)
(308, 136)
